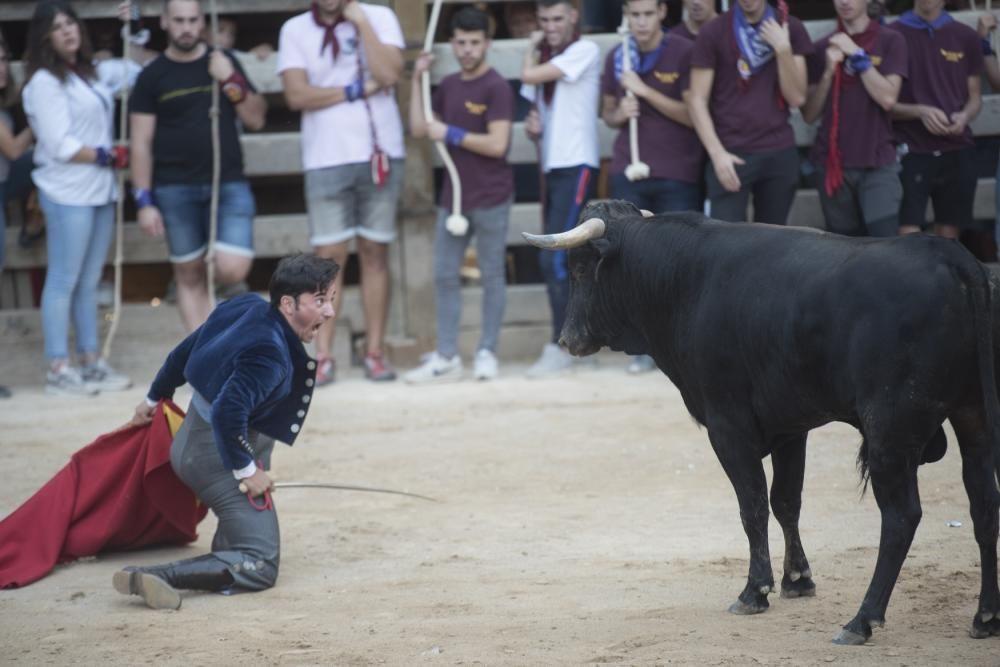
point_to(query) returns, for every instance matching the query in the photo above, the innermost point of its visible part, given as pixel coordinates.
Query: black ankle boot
(158, 585)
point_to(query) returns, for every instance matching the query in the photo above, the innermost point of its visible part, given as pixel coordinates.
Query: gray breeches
(246, 540)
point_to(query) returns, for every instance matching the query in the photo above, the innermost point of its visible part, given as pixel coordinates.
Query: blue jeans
(186, 209)
(78, 242)
(658, 195)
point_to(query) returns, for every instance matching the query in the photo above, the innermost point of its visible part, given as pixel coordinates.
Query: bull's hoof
(742, 608)
(986, 624)
(849, 638)
(801, 586)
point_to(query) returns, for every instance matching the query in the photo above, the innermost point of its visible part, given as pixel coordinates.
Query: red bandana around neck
(329, 36)
(866, 39)
(547, 53)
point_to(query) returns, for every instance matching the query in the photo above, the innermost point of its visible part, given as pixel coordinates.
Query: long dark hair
(41, 55)
(9, 95)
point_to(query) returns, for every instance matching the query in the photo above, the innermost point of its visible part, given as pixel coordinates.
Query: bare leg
(324, 338)
(231, 269)
(192, 293)
(374, 291)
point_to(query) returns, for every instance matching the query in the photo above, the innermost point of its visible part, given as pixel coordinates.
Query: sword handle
(243, 488)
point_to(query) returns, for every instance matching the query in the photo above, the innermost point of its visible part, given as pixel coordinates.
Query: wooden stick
(637, 170)
(213, 216)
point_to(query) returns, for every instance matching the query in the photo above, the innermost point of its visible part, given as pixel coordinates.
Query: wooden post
(417, 210)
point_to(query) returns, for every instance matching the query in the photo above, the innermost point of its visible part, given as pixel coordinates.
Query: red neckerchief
(545, 54)
(782, 9)
(329, 36)
(866, 39)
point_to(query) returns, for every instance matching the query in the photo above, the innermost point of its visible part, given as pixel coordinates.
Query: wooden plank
(21, 10)
(279, 235)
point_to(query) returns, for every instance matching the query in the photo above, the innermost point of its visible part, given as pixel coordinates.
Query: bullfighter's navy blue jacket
(251, 366)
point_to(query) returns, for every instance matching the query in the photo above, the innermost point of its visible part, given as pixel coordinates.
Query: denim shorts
(343, 203)
(186, 209)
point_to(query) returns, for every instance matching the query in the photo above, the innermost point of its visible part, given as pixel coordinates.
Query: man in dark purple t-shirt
(660, 67)
(473, 114)
(697, 14)
(936, 104)
(855, 74)
(747, 69)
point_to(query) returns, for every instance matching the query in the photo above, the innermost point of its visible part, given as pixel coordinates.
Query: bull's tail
(983, 313)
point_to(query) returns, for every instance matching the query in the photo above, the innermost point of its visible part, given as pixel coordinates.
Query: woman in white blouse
(70, 108)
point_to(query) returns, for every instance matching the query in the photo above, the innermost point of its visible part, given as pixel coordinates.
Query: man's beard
(185, 48)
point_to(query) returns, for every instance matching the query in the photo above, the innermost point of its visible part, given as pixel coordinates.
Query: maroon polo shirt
(940, 67)
(682, 30)
(865, 129)
(749, 116)
(671, 150)
(472, 105)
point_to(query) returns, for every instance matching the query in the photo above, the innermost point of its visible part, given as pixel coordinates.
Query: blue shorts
(186, 208)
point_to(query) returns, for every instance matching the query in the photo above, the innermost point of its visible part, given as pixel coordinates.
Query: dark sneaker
(326, 372)
(102, 376)
(377, 370)
(4, 392)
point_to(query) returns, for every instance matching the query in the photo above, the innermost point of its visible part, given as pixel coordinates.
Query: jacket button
(311, 365)
(310, 382)
(301, 413)
(305, 398)
(295, 428)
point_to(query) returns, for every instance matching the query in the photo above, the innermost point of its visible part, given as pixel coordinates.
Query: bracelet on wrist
(355, 91)
(104, 156)
(987, 47)
(142, 198)
(860, 62)
(454, 136)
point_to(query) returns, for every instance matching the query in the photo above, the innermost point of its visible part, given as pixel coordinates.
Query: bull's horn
(586, 231)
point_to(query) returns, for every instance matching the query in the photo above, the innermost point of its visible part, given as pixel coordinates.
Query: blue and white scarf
(641, 64)
(754, 51)
(911, 20)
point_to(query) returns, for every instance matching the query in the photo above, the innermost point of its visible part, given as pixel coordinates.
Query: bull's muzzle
(586, 231)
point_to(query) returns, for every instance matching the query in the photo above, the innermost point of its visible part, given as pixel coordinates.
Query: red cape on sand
(116, 494)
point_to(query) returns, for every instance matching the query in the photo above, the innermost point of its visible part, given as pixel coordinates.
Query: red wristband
(235, 88)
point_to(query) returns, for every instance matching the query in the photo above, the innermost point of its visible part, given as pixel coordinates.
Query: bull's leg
(894, 483)
(741, 460)
(788, 458)
(984, 506)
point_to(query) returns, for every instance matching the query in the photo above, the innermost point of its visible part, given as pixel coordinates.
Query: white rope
(120, 202)
(457, 223)
(213, 216)
(637, 170)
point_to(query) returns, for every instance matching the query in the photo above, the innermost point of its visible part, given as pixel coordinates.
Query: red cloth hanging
(116, 494)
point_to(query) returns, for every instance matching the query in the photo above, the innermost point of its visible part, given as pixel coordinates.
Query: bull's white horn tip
(646, 213)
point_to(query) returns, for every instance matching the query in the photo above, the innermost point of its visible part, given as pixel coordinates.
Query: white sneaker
(554, 359)
(103, 377)
(641, 363)
(486, 366)
(435, 369)
(67, 381)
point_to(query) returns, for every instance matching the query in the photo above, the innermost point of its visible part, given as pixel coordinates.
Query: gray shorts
(866, 203)
(343, 203)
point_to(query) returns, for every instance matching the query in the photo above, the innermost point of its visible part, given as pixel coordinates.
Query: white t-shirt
(341, 134)
(66, 116)
(569, 125)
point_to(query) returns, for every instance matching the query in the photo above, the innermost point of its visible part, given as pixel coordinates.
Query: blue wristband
(987, 47)
(355, 91)
(104, 157)
(454, 135)
(861, 62)
(142, 198)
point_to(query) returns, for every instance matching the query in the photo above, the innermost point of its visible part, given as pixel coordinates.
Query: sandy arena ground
(584, 520)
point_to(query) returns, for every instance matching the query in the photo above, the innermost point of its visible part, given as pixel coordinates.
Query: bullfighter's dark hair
(552, 3)
(658, 2)
(470, 19)
(41, 54)
(301, 274)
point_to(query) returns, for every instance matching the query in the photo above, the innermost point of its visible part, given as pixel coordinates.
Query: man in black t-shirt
(172, 157)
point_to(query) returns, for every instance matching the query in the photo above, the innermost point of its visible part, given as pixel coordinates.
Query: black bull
(769, 332)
